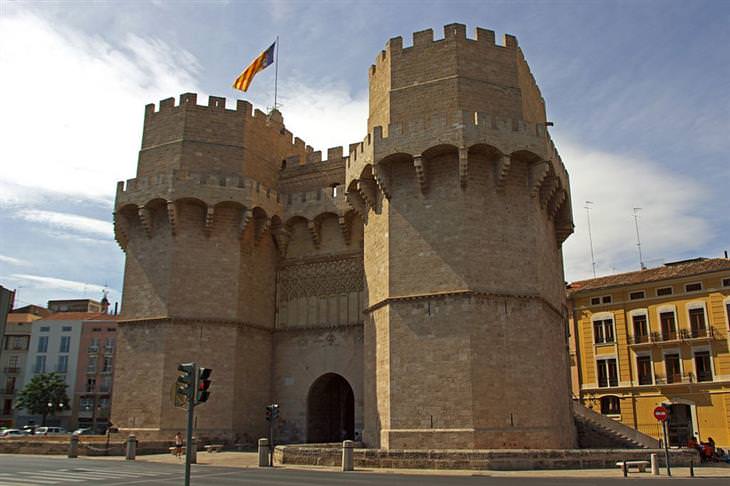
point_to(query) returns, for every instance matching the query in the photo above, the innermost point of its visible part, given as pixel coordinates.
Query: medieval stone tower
(409, 294)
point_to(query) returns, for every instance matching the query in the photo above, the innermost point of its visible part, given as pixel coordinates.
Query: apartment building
(656, 336)
(15, 343)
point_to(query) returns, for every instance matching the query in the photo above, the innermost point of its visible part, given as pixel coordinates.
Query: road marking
(13, 478)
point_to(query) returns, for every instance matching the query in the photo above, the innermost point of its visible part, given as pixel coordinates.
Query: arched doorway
(330, 410)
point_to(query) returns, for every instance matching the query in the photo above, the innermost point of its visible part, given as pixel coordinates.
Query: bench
(640, 465)
(213, 448)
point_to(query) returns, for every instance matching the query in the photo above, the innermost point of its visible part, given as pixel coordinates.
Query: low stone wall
(59, 445)
(504, 460)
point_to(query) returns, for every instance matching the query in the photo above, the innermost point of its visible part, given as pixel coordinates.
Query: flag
(264, 60)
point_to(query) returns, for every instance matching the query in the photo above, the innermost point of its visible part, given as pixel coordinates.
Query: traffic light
(202, 393)
(272, 412)
(185, 384)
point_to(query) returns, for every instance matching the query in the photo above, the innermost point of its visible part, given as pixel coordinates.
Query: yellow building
(652, 337)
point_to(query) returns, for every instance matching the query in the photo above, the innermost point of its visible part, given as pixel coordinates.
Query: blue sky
(638, 92)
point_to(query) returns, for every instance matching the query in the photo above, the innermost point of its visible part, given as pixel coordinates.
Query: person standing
(178, 445)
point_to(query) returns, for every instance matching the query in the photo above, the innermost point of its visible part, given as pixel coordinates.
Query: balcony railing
(93, 349)
(9, 390)
(11, 370)
(673, 337)
(675, 379)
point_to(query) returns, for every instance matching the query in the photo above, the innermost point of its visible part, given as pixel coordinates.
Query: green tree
(44, 395)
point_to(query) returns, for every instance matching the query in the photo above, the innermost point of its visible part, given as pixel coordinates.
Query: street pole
(189, 438)
(666, 448)
(271, 441)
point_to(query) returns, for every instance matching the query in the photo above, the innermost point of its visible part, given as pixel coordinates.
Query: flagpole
(276, 71)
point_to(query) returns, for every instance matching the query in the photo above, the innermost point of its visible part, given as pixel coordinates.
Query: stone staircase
(596, 431)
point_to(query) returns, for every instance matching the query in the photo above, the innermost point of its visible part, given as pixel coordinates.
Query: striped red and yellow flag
(264, 60)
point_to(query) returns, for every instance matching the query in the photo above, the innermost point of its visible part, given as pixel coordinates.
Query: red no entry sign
(661, 413)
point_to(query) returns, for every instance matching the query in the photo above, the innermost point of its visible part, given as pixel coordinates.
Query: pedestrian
(178, 445)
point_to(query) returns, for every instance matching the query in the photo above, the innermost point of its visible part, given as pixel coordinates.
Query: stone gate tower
(465, 204)
(409, 294)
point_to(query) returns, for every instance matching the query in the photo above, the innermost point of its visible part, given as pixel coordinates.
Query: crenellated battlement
(425, 39)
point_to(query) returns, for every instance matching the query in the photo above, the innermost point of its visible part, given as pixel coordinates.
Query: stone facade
(409, 294)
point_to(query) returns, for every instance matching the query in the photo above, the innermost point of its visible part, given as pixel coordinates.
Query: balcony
(93, 348)
(675, 379)
(655, 338)
(11, 370)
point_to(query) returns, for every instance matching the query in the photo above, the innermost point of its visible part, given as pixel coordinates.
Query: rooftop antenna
(590, 235)
(638, 239)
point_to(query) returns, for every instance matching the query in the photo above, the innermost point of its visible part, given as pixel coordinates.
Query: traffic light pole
(189, 434)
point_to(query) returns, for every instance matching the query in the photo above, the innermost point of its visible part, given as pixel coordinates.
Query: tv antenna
(638, 238)
(590, 235)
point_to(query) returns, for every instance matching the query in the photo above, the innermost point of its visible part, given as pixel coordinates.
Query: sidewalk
(250, 460)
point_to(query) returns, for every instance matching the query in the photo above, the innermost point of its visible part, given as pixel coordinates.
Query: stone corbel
(145, 217)
(463, 166)
(121, 233)
(380, 179)
(556, 202)
(420, 171)
(172, 216)
(314, 230)
(209, 218)
(345, 228)
(281, 236)
(501, 170)
(538, 173)
(548, 190)
(366, 188)
(356, 202)
(261, 226)
(245, 218)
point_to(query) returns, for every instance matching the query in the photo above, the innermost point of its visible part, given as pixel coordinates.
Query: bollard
(625, 469)
(691, 468)
(654, 465)
(131, 447)
(193, 450)
(73, 447)
(264, 453)
(347, 447)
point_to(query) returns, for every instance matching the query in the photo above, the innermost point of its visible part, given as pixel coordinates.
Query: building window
(693, 287)
(673, 368)
(610, 405)
(606, 299)
(62, 366)
(104, 403)
(45, 328)
(86, 403)
(8, 406)
(643, 369)
(40, 364)
(43, 344)
(727, 311)
(603, 331)
(697, 322)
(669, 325)
(703, 367)
(96, 329)
(66, 329)
(10, 385)
(641, 328)
(109, 344)
(106, 384)
(14, 361)
(90, 385)
(91, 365)
(94, 345)
(664, 291)
(107, 368)
(595, 300)
(607, 372)
(65, 344)
(16, 343)
(726, 282)
(640, 294)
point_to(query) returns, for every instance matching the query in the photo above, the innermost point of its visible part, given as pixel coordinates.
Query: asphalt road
(40, 470)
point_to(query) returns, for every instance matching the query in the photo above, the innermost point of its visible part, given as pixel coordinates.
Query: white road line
(3, 483)
(118, 472)
(13, 477)
(51, 476)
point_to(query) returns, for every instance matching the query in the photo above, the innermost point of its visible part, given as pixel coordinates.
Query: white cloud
(68, 222)
(52, 283)
(13, 261)
(73, 109)
(669, 221)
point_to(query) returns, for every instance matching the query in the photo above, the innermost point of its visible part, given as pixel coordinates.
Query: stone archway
(330, 410)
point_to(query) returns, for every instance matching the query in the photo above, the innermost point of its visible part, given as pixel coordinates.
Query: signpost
(662, 414)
